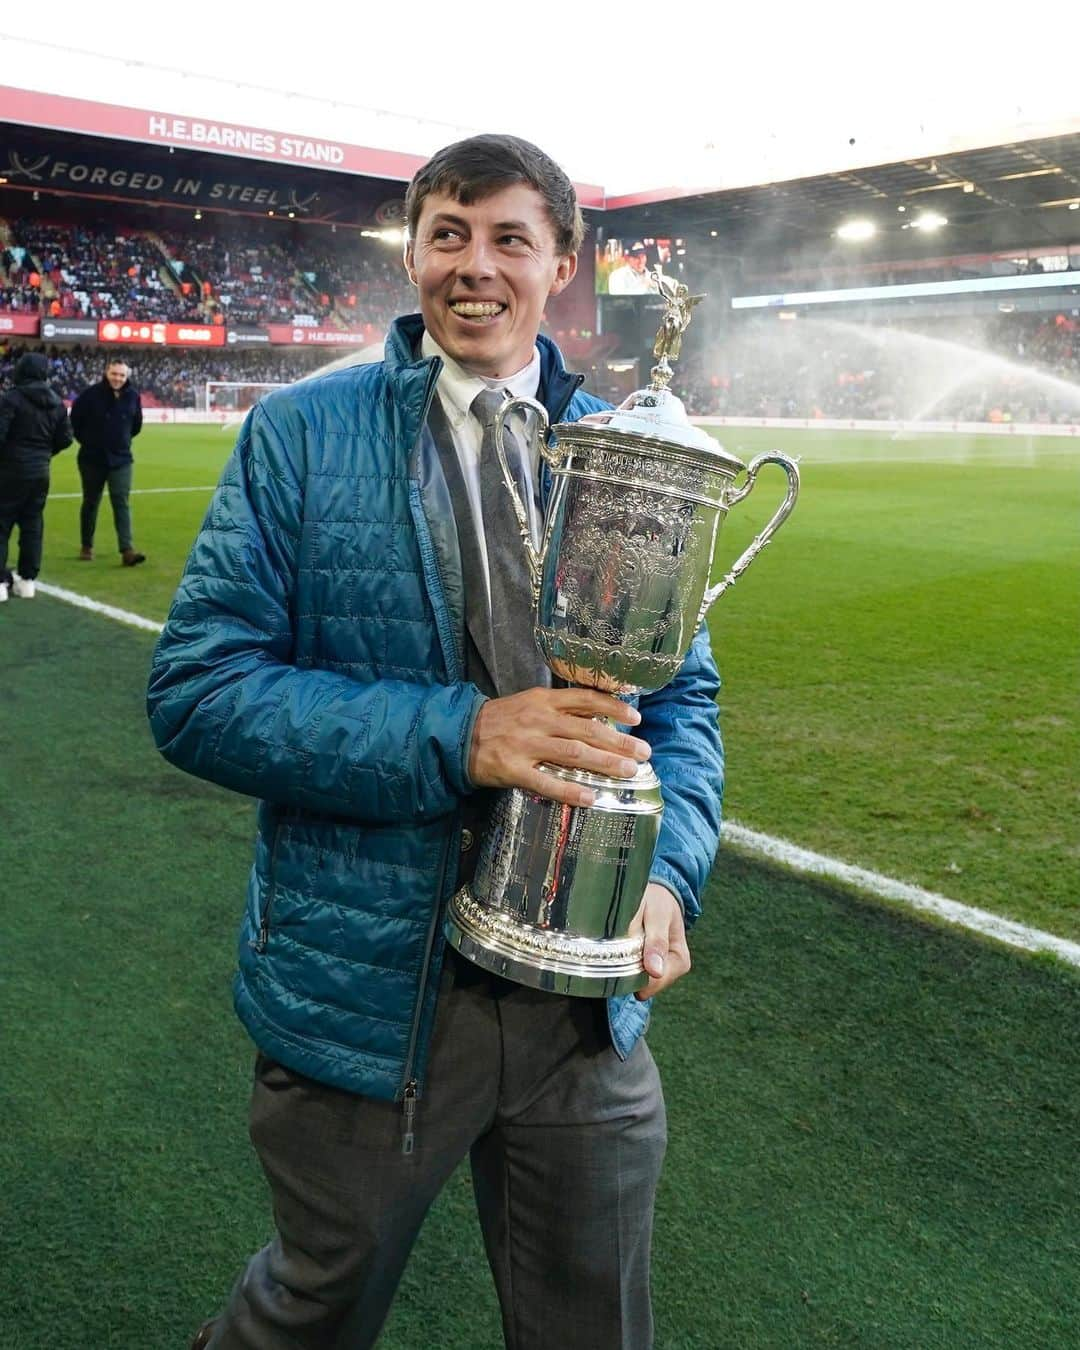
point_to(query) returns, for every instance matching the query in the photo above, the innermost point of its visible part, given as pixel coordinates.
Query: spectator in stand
(105, 418)
(34, 426)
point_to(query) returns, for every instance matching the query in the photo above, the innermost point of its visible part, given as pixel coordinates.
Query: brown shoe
(202, 1336)
(86, 555)
(132, 559)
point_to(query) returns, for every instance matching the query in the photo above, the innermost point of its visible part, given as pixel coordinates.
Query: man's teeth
(475, 309)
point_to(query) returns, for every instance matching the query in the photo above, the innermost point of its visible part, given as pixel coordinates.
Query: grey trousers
(565, 1142)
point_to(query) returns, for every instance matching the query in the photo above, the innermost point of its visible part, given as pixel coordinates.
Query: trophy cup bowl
(621, 585)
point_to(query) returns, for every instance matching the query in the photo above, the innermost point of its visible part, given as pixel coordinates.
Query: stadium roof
(624, 96)
(1019, 193)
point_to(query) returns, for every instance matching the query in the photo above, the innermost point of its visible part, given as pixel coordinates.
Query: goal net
(234, 396)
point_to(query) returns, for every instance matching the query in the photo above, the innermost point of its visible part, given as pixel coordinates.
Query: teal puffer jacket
(312, 658)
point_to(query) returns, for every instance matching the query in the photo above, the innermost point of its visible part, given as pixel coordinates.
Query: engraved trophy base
(557, 963)
(557, 887)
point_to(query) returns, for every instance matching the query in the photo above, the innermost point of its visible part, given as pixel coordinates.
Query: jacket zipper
(411, 1091)
(263, 939)
(408, 1106)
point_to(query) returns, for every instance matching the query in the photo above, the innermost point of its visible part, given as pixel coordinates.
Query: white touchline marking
(888, 888)
(135, 492)
(109, 611)
(765, 845)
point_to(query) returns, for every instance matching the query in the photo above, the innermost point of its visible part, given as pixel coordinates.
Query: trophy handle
(506, 409)
(740, 565)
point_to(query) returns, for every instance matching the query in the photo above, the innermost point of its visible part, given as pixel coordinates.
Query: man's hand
(512, 736)
(666, 956)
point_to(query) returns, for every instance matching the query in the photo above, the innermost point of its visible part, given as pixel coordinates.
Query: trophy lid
(659, 417)
(655, 417)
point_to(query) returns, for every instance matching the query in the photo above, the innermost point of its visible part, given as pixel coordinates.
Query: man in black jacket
(106, 416)
(34, 426)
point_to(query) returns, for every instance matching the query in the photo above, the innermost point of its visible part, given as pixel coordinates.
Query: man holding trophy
(446, 744)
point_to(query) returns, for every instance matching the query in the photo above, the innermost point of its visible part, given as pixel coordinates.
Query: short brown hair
(473, 169)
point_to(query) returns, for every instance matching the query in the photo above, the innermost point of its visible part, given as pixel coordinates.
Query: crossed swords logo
(16, 167)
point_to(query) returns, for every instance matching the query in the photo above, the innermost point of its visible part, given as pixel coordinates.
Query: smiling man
(352, 644)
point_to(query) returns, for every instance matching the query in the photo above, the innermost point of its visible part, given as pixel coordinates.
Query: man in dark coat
(34, 426)
(106, 417)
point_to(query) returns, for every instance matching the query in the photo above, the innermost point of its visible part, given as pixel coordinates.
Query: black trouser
(22, 503)
(94, 477)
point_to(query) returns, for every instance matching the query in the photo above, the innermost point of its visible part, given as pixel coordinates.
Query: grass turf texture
(899, 665)
(872, 1121)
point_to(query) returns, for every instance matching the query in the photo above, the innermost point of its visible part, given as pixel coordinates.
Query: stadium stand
(234, 272)
(241, 273)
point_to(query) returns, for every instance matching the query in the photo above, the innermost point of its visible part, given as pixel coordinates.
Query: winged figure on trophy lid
(677, 314)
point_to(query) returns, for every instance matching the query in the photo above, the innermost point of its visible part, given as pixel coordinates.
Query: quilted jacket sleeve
(681, 723)
(226, 702)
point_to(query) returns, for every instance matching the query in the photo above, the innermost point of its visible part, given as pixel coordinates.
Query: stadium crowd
(71, 271)
(169, 377)
(226, 273)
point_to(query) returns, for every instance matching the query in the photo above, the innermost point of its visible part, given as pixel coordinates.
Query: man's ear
(407, 258)
(565, 272)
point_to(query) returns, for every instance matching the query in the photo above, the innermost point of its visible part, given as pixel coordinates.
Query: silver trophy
(620, 586)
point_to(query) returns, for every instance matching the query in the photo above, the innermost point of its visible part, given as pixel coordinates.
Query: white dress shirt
(456, 390)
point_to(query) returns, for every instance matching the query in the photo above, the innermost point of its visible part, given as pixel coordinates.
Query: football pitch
(873, 1119)
(900, 665)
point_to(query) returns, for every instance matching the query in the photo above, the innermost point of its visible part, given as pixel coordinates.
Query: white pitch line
(135, 492)
(888, 888)
(109, 611)
(789, 855)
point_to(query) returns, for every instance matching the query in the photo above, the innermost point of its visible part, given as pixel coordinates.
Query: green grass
(900, 664)
(165, 523)
(872, 1120)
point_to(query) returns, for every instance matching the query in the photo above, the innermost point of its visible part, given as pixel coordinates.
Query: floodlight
(856, 230)
(1074, 206)
(929, 220)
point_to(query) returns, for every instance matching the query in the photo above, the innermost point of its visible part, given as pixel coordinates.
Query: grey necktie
(520, 665)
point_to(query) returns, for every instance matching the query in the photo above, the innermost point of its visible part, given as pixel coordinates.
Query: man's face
(117, 374)
(484, 273)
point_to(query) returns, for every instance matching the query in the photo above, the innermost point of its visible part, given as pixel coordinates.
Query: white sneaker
(3, 591)
(23, 589)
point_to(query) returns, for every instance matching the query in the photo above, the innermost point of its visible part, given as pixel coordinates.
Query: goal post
(235, 396)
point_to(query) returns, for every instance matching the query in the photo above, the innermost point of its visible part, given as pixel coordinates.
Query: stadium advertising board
(69, 330)
(282, 334)
(246, 336)
(19, 325)
(161, 334)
